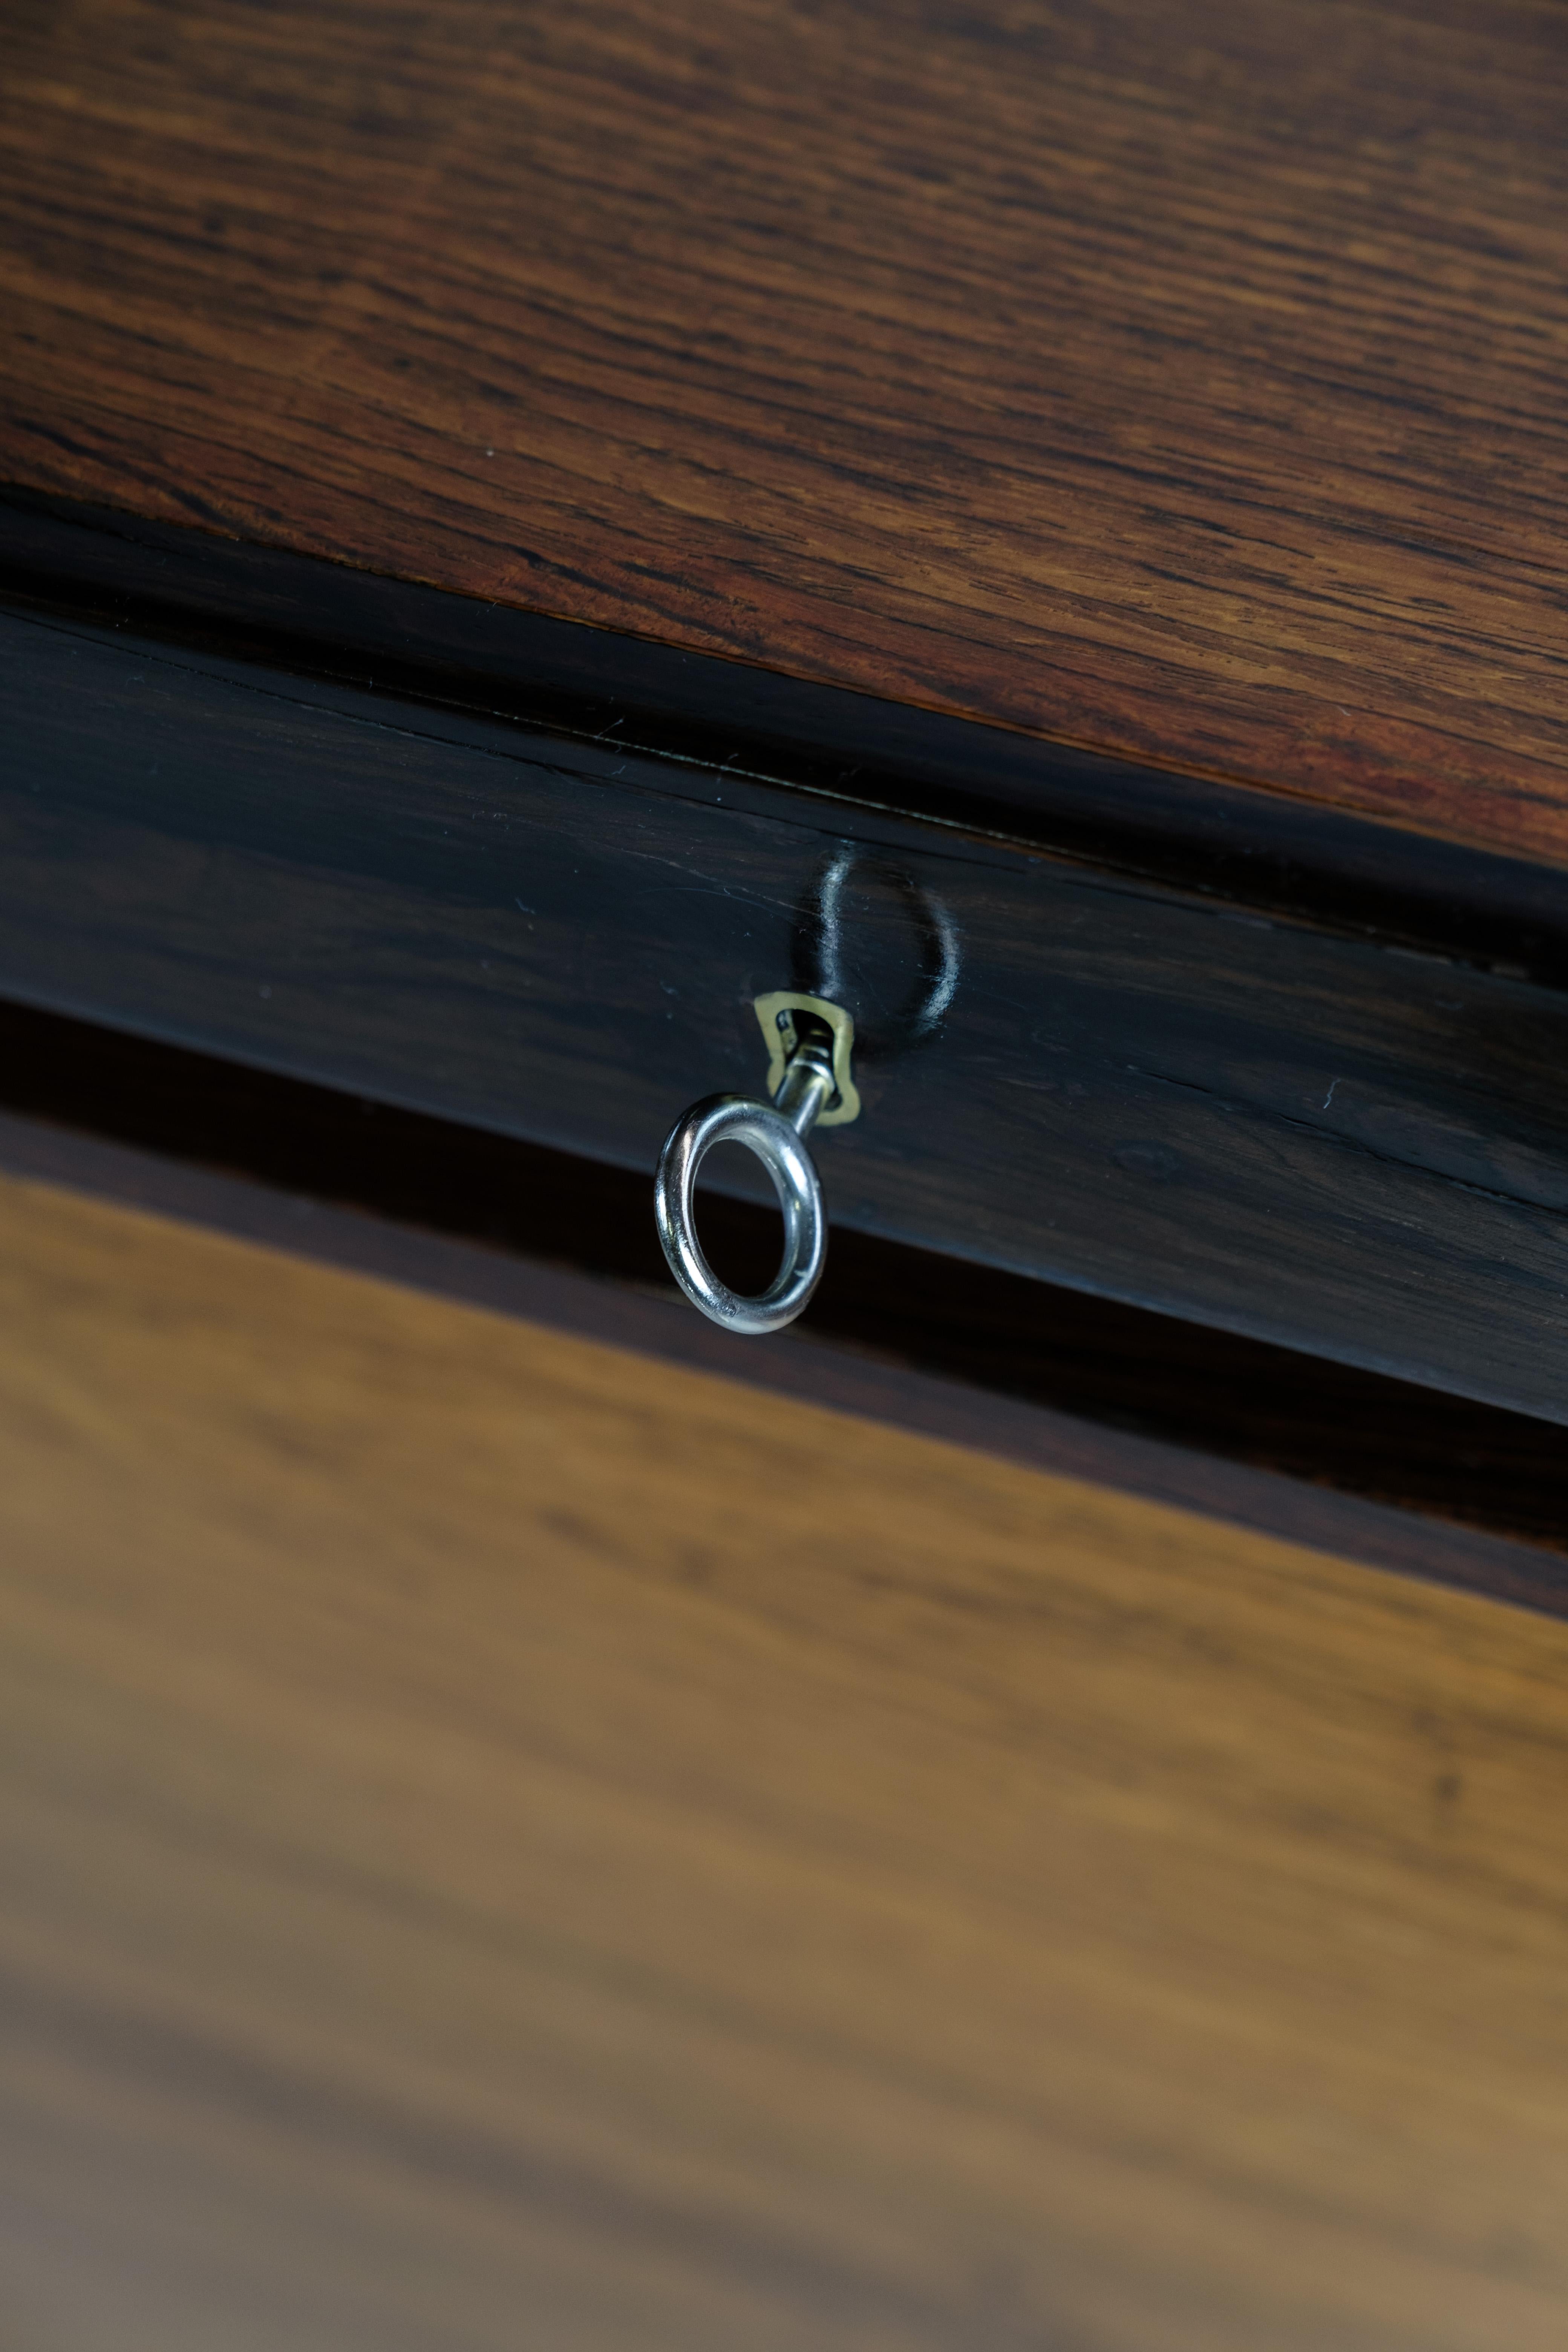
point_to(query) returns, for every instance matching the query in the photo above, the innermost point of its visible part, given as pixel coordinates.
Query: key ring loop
(741, 1118)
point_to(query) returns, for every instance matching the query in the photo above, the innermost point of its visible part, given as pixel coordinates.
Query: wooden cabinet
(1024, 1808)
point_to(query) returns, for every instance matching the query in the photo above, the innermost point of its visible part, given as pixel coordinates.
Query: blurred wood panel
(505, 1842)
(1183, 380)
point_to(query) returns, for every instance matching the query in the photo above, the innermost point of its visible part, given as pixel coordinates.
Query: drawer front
(1249, 1121)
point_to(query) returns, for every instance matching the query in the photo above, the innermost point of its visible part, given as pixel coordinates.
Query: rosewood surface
(491, 1827)
(1183, 380)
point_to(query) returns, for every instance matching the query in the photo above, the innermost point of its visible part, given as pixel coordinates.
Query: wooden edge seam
(838, 1379)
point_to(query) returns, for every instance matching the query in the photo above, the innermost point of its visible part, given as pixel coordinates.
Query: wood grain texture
(1183, 380)
(504, 1843)
(1320, 1141)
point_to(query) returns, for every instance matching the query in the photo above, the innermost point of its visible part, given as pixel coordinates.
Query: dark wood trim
(689, 712)
(361, 863)
(1327, 1455)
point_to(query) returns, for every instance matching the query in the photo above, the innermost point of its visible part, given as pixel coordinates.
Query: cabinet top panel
(1180, 380)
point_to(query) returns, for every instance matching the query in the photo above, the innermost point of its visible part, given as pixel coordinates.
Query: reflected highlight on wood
(1183, 380)
(506, 1842)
